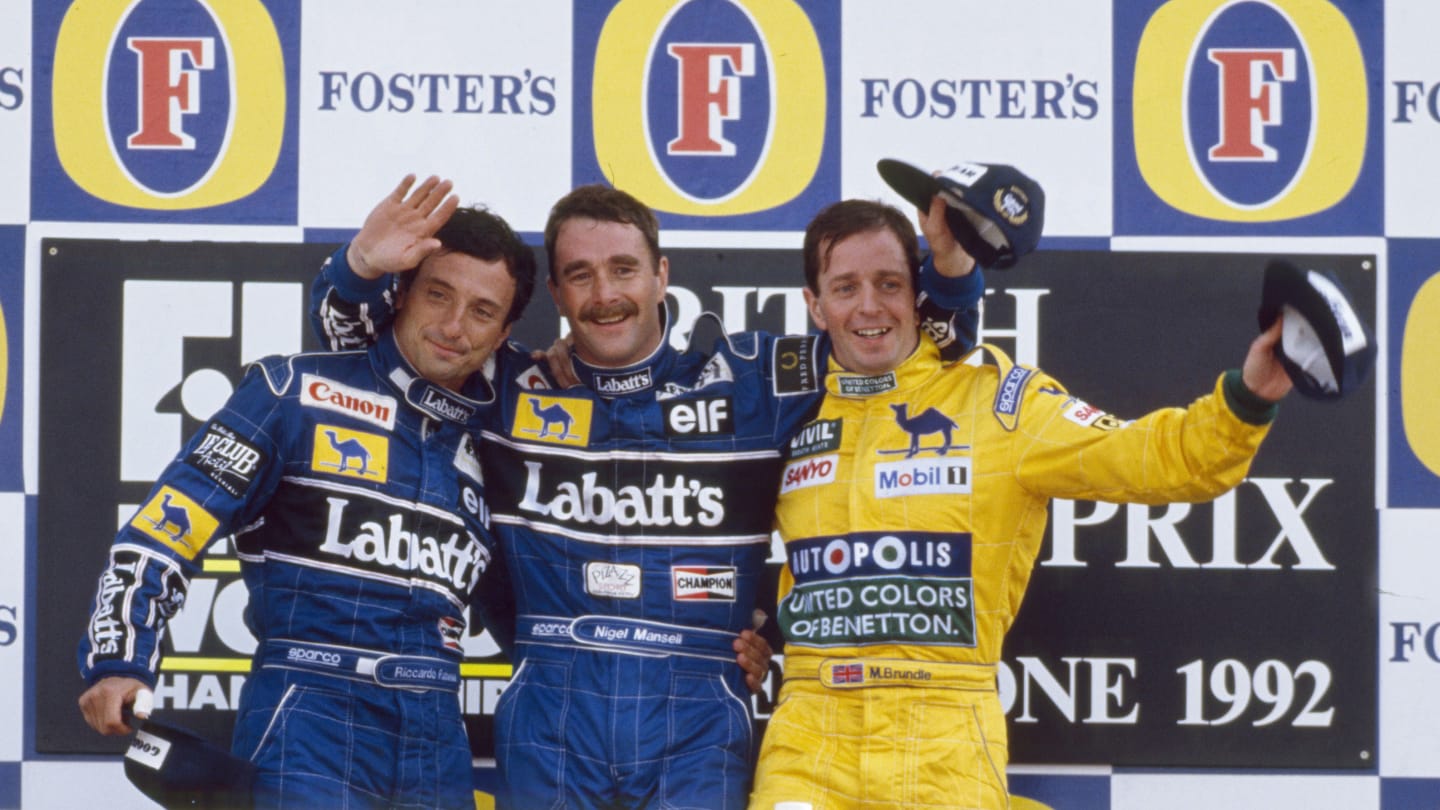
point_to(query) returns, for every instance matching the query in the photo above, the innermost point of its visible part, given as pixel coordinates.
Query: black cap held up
(1325, 347)
(178, 768)
(994, 210)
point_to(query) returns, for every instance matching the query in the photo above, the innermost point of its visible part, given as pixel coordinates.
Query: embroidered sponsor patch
(1086, 415)
(794, 365)
(531, 379)
(854, 385)
(466, 460)
(440, 403)
(948, 476)
(451, 631)
(350, 453)
(612, 580)
(227, 459)
(820, 436)
(613, 385)
(1007, 398)
(555, 420)
(880, 587)
(176, 521)
(717, 370)
(703, 583)
(809, 472)
(690, 417)
(318, 392)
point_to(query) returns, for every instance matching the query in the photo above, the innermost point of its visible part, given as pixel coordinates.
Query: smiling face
(607, 283)
(865, 300)
(451, 317)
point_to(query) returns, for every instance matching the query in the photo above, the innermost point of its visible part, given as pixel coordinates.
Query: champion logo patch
(703, 583)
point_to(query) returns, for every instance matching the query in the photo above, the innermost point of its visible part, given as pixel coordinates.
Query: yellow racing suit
(912, 510)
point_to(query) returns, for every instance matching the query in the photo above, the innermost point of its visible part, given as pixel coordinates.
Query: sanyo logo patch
(808, 472)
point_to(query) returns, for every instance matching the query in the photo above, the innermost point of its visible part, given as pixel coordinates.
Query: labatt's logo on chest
(665, 500)
(393, 544)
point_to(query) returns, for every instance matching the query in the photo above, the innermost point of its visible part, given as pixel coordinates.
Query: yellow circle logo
(705, 97)
(168, 79)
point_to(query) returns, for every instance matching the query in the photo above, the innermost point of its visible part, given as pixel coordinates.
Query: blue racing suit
(354, 494)
(634, 515)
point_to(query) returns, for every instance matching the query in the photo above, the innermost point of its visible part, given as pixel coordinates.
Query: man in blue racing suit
(633, 512)
(351, 484)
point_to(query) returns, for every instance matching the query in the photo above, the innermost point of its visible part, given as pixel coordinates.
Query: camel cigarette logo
(350, 453)
(555, 420)
(177, 522)
(927, 423)
(318, 392)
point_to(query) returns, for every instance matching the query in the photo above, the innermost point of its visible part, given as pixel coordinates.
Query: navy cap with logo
(995, 211)
(178, 768)
(1325, 347)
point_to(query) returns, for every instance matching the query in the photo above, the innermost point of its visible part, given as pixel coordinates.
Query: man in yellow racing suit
(912, 510)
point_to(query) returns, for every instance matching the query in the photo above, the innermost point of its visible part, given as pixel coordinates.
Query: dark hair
(602, 204)
(841, 220)
(475, 231)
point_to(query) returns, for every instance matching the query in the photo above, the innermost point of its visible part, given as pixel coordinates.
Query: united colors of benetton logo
(168, 104)
(1250, 111)
(709, 107)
